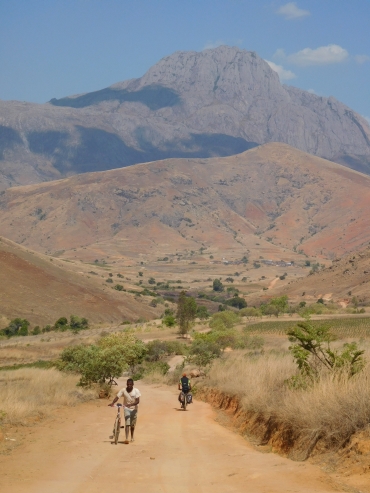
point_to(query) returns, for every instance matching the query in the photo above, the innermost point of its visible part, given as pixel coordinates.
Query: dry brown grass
(31, 393)
(322, 417)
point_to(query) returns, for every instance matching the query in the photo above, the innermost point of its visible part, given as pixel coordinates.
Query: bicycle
(184, 401)
(117, 424)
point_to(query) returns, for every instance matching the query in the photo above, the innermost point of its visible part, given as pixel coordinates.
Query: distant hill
(41, 290)
(346, 278)
(272, 201)
(218, 102)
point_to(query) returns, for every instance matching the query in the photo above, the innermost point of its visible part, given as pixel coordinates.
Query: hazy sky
(55, 48)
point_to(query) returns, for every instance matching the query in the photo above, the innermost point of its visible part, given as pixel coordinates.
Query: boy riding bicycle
(184, 387)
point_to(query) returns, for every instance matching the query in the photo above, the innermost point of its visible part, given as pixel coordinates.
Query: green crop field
(342, 327)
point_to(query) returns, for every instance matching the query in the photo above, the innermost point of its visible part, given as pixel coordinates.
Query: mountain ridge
(267, 200)
(218, 102)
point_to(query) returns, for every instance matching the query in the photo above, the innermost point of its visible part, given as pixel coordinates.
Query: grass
(295, 421)
(341, 327)
(37, 364)
(30, 394)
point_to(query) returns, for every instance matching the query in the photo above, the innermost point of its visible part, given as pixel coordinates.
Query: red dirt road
(174, 452)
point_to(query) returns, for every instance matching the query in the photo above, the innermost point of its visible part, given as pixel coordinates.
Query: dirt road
(174, 452)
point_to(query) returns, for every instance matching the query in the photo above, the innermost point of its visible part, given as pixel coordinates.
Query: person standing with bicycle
(131, 399)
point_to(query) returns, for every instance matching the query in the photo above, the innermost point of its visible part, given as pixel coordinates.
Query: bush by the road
(104, 361)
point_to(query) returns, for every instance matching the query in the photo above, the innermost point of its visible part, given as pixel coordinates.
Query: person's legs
(127, 413)
(133, 423)
(180, 398)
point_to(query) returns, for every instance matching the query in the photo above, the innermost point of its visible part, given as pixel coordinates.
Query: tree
(104, 361)
(312, 352)
(250, 313)
(131, 349)
(203, 351)
(186, 312)
(202, 312)
(280, 303)
(236, 302)
(217, 285)
(17, 327)
(94, 364)
(77, 323)
(224, 320)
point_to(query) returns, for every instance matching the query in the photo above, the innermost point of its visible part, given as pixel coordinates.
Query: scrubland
(325, 415)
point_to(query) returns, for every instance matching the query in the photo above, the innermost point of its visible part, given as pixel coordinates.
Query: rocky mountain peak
(224, 72)
(216, 102)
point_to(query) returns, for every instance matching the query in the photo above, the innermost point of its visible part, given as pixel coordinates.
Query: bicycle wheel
(185, 401)
(117, 429)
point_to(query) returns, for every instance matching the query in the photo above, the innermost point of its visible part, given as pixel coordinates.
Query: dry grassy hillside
(42, 289)
(270, 201)
(347, 278)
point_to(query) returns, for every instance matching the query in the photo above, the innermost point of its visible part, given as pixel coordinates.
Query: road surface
(174, 452)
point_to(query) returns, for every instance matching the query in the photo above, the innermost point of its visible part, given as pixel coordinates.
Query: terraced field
(341, 327)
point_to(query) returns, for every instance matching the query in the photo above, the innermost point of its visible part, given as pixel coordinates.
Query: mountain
(271, 201)
(218, 102)
(42, 290)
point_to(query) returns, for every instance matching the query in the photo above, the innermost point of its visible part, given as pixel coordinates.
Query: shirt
(184, 383)
(129, 398)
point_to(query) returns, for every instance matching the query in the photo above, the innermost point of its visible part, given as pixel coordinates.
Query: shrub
(17, 327)
(104, 361)
(202, 312)
(246, 341)
(61, 322)
(217, 285)
(227, 318)
(118, 287)
(110, 280)
(313, 354)
(169, 320)
(94, 364)
(250, 312)
(236, 302)
(147, 368)
(131, 349)
(77, 323)
(203, 351)
(157, 350)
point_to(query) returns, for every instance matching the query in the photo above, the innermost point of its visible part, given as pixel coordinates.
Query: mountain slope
(35, 288)
(265, 200)
(218, 102)
(346, 278)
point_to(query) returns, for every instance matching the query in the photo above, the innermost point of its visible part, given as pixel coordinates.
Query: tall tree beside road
(186, 312)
